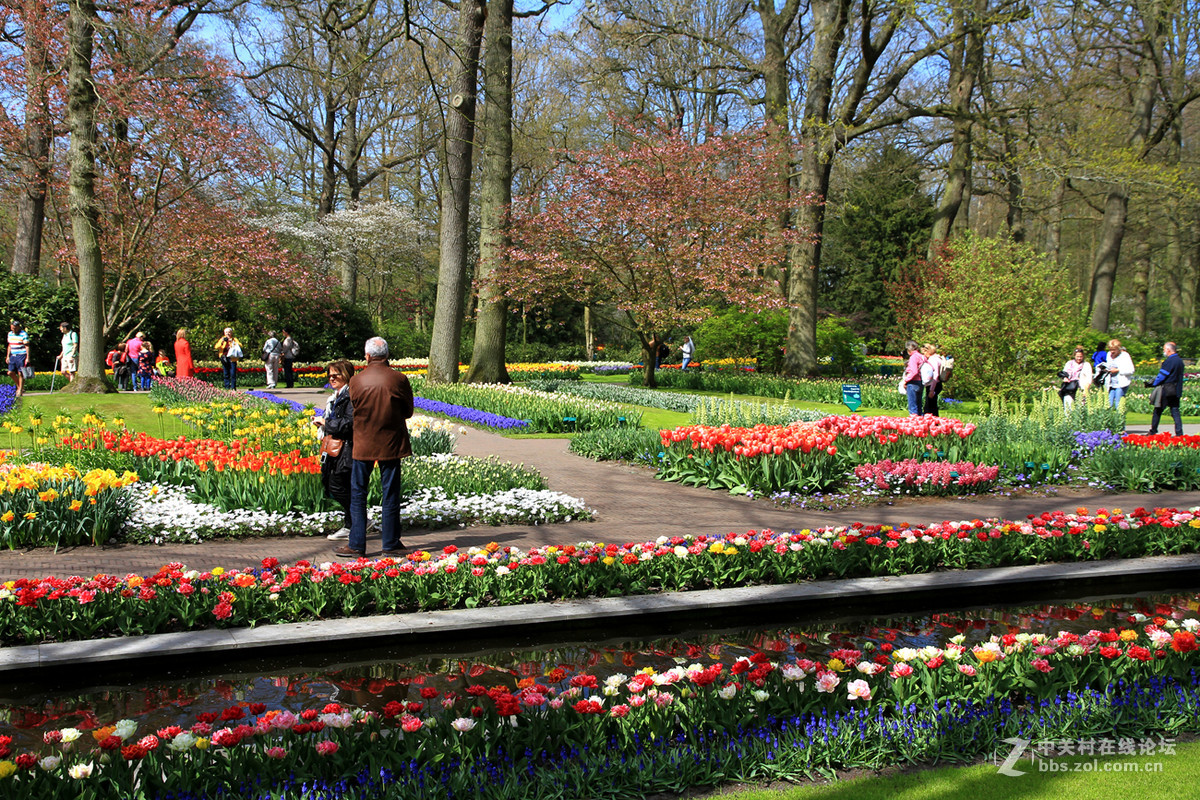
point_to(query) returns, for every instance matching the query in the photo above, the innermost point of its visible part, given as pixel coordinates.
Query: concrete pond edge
(995, 585)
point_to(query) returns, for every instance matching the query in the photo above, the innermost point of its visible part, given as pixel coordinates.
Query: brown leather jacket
(383, 399)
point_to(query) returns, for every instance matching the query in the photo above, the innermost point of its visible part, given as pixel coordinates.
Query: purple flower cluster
(1087, 441)
(8, 398)
(472, 415)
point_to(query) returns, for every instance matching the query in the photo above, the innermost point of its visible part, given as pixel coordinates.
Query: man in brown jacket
(382, 399)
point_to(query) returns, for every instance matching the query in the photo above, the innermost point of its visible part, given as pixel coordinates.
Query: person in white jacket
(1076, 375)
(1119, 367)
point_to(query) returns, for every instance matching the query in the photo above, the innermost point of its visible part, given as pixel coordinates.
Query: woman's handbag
(331, 447)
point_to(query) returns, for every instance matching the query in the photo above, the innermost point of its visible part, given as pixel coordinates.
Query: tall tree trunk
(801, 355)
(1054, 227)
(777, 104)
(1181, 282)
(1108, 253)
(1141, 285)
(495, 195)
(1116, 206)
(85, 217)
(817, 148)
(589, 335)
(455, 198)
(1016, 187)
(328, 155)
(38, 132)
(966, 62)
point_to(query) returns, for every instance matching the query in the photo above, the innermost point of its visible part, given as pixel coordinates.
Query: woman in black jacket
(337, 425)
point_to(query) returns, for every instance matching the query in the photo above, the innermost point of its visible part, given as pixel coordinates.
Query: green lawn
(1097, 779)
(134, 407)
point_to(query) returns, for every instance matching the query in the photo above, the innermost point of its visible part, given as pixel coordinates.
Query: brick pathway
(630, 505)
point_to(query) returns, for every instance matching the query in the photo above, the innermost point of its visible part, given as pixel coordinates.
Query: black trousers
(337, 486)
(1172, 404)
(289, 376)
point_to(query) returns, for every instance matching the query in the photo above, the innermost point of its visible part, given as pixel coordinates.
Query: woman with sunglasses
(337, 425)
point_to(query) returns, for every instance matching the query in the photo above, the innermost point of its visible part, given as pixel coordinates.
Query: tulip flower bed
(805, 457)
(546, 413)
(654, 731)
(876, 438)
(42, 505)
(1162, 441)
(928, 478)
(51, 608)
(182, 391)
(762, 459)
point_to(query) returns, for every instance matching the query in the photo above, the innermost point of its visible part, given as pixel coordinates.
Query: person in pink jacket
(912, 378)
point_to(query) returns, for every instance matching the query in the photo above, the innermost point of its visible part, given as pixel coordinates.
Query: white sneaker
(338, 535)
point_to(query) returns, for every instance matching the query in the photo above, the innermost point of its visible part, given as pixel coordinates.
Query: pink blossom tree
(655, 230)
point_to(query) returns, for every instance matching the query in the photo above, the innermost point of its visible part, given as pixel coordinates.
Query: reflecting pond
(180, 695)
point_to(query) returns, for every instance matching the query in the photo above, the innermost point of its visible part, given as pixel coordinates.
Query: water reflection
(155, 701)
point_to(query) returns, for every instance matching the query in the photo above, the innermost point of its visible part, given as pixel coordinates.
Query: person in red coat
(382, 399)
(184, 368)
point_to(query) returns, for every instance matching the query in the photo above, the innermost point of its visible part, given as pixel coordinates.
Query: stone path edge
(274, 640)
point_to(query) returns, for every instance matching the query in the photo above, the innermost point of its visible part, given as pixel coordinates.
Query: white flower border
(166, 514)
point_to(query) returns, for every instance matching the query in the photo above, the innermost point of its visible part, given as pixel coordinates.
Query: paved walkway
(630, 505)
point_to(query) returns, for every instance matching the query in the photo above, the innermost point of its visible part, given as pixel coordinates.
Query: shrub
(839, 344)
(1005, 313)
(618, 444)
(755, 336)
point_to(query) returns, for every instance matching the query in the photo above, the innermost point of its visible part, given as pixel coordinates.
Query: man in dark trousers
(382, 399)
(1170, 378)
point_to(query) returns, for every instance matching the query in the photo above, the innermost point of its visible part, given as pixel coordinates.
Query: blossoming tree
(655, 230)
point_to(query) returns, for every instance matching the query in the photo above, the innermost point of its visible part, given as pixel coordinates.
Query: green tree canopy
(1009, 316)
(878, 225)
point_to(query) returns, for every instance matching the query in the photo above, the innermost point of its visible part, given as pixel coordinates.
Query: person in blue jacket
(1170, 378)
(1098, 359)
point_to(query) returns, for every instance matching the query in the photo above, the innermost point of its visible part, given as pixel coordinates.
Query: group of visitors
(924, 375)
(280, 353)
(1111, 367)
(135, 363)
